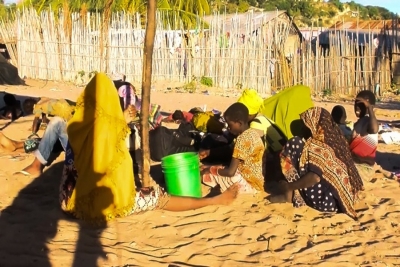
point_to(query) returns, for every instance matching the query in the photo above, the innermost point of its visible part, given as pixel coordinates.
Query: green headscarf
(285, 108)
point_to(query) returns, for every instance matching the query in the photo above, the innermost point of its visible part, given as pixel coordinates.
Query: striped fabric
(155, 116)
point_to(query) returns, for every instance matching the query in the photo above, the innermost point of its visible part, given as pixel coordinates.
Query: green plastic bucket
(182, 174)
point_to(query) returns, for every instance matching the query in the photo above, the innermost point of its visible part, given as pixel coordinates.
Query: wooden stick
(146, 88)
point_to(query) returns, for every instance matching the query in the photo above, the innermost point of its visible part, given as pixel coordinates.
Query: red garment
(187, 116)
(364, 147)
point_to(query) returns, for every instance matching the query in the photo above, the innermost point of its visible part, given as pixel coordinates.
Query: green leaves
(186, 11)
(200, 7)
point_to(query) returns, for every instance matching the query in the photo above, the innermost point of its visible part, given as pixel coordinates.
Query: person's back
(207, 122)
(273, 138)
(165, 142)
(51, 107)
(249, 149)
(54, 107)
(339, 117)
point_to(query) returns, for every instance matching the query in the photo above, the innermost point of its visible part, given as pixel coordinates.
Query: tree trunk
(107, 12)
(146, 88)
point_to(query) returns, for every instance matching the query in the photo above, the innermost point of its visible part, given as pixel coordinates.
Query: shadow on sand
(31, 222)
(389, 161)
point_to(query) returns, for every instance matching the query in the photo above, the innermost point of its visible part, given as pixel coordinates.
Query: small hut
(380, 36)
(270, 24)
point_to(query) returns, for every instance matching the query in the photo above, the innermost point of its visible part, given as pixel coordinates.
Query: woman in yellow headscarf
(97, 154)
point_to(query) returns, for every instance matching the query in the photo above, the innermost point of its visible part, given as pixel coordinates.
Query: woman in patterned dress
(318, 168)
(98, 183)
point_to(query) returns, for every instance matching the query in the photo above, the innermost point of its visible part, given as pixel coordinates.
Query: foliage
(192, 86)
(186, 10)
(239, 86)
(7, 11)
(207, 81)
(82, 77)
(337, 4)
(308, 11)
(326, 92)
(243, 6)
(332, 13)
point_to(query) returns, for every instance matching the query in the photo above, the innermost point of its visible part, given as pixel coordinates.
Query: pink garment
(212, 179)
(128, 95)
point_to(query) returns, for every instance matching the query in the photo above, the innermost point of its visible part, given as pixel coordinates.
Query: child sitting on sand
(339, 116)
(246, 165)
(365, 133)
(364, 141)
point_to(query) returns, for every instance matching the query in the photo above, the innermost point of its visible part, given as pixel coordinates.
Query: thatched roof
(249, 21)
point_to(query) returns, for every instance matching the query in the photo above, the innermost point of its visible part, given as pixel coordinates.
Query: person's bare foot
(6, 143)
(228, 196)
(283, 194)
(35, 169)
(386, 174)
(278, 198)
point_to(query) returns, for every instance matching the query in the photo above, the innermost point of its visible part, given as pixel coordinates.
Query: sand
(34, 232)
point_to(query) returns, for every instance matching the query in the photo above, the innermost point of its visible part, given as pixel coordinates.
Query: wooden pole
(146, 88)
(104, 35)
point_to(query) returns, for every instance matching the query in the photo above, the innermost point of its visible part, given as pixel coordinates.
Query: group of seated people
(319, 162)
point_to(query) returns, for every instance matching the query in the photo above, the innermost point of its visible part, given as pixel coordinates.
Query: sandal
(25, 173)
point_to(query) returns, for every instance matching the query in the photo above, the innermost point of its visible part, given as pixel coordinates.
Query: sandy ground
(34, 232)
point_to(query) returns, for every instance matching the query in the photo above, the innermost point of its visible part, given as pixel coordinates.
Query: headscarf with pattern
(327, 148)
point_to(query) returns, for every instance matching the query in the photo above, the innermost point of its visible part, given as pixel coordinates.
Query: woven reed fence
(66, 47)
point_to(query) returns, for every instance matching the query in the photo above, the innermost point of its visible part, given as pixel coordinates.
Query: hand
(283, 187)
(202, 167)
(205, 171)
(130, 114)
(204, 153)
(364, 101)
